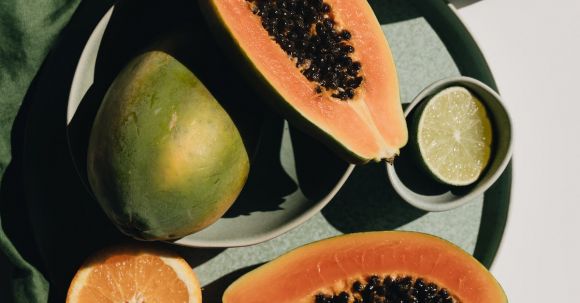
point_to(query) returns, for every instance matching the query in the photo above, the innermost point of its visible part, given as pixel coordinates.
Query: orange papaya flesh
(361, 121)
(390, 266)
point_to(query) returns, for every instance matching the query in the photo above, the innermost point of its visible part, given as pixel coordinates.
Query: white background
(533, 48)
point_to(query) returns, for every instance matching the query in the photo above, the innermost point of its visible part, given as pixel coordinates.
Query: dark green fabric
(28, 29)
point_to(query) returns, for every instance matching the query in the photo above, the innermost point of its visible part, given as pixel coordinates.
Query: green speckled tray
(428, 41)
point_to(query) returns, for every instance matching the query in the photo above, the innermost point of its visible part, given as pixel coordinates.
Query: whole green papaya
(165, 159)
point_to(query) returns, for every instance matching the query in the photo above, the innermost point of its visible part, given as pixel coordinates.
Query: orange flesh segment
(379, 68)
(130, 278)
(333, 265)
(372, 124)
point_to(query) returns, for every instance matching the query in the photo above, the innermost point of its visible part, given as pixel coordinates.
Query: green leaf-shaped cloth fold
(28, 29)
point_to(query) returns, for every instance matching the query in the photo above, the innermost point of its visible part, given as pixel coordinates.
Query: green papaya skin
(165, 159)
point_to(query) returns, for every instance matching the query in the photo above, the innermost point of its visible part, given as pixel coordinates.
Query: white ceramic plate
(292, 176)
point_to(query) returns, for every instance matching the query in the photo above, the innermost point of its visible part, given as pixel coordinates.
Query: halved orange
(134, 274)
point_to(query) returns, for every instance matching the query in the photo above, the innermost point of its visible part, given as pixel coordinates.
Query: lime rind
(454, 136)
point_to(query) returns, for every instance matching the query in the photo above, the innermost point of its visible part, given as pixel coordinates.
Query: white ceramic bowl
(418, 190)
(292, 176)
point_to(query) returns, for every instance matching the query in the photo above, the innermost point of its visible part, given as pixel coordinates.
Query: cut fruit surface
(454, 136)
(391, 266)
(134, 275)
(326, 66)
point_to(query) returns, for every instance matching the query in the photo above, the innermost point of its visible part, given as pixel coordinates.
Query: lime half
(454, 136)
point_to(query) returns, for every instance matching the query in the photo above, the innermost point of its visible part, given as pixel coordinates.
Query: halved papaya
(325, 65)
(389, 266)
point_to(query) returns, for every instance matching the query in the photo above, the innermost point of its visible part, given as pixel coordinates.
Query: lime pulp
(454, 136)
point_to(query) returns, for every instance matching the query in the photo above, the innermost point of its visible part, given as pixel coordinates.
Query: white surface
(533, 48)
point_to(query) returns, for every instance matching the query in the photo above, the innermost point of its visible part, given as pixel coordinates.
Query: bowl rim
(454, 201)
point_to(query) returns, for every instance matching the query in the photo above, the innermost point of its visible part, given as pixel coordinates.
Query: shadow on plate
(212, 293)
(316, 171)
(392, 11)
(463, 3)
(367, 202)
(268, 183)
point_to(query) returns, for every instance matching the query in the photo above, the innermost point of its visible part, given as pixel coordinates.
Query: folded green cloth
(28, 28)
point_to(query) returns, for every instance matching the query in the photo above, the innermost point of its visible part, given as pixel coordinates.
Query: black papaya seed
(309, 35)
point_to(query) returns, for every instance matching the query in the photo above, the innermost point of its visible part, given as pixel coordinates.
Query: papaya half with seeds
(324, 65)
(165, 159)
(386, 267)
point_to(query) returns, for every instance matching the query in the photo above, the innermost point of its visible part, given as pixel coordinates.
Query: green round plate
(428, 41)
